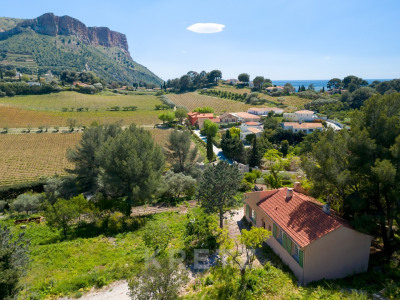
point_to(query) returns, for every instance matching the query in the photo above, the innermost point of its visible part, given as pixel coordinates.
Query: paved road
(218, 151)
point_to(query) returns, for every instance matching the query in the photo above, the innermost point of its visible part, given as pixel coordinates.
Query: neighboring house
(274, 88)
(248, 128)
(310, 238)
(231, 81)
(302, 127)
(262, 111)
(228, 118)
(194, 116)
(32, 83)
(246, 117)
(201, 120)
(301, 115)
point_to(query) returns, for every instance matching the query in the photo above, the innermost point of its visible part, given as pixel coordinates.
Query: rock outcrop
(49, 24)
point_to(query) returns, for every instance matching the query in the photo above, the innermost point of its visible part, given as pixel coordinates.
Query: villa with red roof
(314, 241)
(248, 128)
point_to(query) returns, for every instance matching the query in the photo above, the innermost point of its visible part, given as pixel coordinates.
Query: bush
(26, 203)
(3, 205)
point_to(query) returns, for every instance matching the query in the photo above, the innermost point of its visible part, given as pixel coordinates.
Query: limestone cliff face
(52, 25)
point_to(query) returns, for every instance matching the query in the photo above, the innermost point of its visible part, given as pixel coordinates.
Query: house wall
(290, 117)
(304, 117)
(228, 118)
(264, 219)
(338, 254)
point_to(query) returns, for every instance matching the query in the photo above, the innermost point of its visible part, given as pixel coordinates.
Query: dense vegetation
(67, 53)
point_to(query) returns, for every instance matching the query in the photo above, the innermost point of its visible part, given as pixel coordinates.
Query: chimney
(289, 193)
(297, 187)
(326, 209)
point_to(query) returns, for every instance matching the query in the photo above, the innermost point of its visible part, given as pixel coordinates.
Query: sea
(318, 84)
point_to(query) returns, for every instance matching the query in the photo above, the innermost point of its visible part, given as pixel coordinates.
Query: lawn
(193, 100)
(61, 268)
(29, 157)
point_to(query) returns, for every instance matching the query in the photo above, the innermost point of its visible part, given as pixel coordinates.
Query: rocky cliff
(49, 24)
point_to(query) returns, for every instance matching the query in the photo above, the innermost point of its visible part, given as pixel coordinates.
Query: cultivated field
(55, 109)
(20, 118)
(28, 157)
(56, 102)
(292, 103)
(193, 100)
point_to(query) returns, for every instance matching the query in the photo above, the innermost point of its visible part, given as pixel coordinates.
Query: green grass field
(70, 267)
(55, 109)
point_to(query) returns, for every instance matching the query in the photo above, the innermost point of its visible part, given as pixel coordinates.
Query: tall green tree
(131, 166)
(218, 187)
(255, 154)
(87, 166)
(233, 147)
(179, 145)
(211, 129)
(13, 262)
(181, 114)
(258, 82)
(334, 83)
(244, 77)
(360, 169)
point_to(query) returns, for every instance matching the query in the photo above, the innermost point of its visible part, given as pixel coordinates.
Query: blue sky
(285, 39)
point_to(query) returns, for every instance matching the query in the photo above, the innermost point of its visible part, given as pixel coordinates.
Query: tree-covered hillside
(59, 53)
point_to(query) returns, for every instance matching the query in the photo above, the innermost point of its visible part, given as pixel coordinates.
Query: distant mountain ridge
(65, 43)
(52, 25)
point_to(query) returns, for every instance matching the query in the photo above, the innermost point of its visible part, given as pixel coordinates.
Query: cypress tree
(1, 74)
(255, 158)
(210, 152)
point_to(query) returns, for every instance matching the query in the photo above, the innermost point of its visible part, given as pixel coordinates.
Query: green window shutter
(284, 240)
(255, 218)
(274, 230)
(289, 245)
(247, 210)
(301, 258)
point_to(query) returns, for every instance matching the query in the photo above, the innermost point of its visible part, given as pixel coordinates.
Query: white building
(262, 111)
(301, 115)
(250, 128)
(302, 127)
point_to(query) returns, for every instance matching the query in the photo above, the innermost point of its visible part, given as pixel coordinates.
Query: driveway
(218, 151)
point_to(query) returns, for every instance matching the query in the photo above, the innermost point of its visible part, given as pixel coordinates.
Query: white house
(248, 128)
(301, 115)
(262, 111)
(302, 127)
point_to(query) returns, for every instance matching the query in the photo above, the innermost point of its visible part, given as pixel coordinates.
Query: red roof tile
(301, 216)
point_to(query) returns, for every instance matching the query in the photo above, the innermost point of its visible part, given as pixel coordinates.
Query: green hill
(32, 52)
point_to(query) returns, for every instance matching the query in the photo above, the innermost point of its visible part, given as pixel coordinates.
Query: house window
(254, 216)
(296, 252)
(280, 236)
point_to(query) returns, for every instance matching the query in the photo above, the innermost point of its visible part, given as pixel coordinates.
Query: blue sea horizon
(318, 84)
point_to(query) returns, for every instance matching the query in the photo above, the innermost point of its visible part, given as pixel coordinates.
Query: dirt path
(159, 208)
(235, 225)
(116, 291)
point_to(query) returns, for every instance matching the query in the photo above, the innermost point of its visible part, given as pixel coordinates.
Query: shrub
(26, 203)
(2, 205)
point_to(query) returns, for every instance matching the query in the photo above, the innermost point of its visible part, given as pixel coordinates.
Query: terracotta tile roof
(252, 123)
(254, 130)
(302, 125)
(301, 216)
(246, 115)
(304, 111)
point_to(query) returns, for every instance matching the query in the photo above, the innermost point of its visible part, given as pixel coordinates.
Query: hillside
(64, 43)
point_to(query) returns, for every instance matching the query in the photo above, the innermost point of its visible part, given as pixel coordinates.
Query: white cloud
(206, 27)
